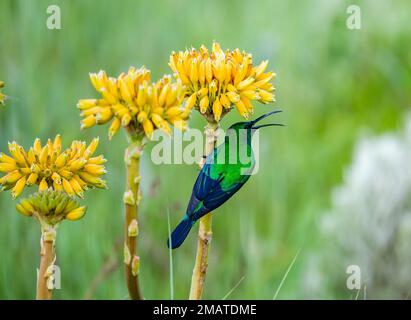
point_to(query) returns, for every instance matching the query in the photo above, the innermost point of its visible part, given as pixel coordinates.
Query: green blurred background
(332, 83)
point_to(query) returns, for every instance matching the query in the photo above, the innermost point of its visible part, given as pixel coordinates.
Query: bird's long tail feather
(180, 233)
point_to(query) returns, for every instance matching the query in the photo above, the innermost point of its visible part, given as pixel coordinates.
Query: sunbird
(225, 171)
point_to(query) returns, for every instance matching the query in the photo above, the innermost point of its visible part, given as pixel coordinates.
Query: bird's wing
(208, 193)
(205, 182)
(202, 187)
(220, 194)
(212, 189)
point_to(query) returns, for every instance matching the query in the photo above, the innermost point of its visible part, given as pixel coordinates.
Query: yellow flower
(72, 171)
(135, 103)
(217, 80)
(2, 95)
(51, 207)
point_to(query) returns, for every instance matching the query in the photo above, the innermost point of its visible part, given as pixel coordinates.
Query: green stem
(47, 258)
(205, 230)
(131, 201)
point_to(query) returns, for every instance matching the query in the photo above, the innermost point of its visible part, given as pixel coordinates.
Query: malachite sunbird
(225, 171)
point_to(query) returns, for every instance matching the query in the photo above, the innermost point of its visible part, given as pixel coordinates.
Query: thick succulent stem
(205, 230)
(131, 200)
(47, 258)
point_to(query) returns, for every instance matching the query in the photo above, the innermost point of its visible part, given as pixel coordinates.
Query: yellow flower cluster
(51, 206)
(135, 103)
(2, 96)
(217, 80)
(72, 171)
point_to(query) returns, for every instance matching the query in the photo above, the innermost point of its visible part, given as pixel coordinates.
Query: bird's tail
(180, 233)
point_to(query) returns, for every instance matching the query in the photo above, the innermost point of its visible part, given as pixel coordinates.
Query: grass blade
(235, 287)
(286, 274)
(170, 258)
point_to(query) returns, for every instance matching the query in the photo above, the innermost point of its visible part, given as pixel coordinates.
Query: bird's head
(250, 126)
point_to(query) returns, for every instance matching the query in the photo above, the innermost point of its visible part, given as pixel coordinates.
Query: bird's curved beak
(252, 123)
